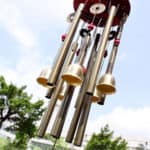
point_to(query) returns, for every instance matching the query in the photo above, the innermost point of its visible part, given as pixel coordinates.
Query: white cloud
(25, 73)
(21, 78)
(129, 123)
(46, 10)
(29, 61)
(15, 17)
(12, 20)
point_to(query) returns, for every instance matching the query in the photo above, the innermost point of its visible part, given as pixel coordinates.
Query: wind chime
(93, 25)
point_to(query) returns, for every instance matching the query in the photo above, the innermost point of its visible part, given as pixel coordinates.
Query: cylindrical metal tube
(114, 50)
(74, 123)
(61, 115)
(59, 122)
(83, 121)
(63, 91)
(82, 95)
(89, 68)
(112, 59)
(102, 100)
(83, 51)
(100, 54)
(63, 52)
(71, 54)
(49, 93)
(48, 113)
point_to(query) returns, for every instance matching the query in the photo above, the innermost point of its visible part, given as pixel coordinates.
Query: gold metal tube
(59, 122)
(82, 96)
(49, 93)
(83, 121)
(114, 50)
(63, 91)
(112, 60)
(102, 100)
(84, 48)
(48, 113)
(107, 82)
(62, 113)
(96, 96)
(100, 54)
(63, 52)
(71, 54)
(89, 68)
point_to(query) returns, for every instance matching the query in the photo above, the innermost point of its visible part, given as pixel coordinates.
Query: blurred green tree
(105, 141)
(17, 113)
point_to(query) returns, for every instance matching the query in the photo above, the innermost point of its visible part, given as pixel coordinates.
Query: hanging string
(99, 22)
(93, 19)
(95, 31)
(108, 5)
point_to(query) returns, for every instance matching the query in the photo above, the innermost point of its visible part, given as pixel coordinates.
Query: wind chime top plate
(87, 16)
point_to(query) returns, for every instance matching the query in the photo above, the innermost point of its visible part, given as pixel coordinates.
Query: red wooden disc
(124, 8)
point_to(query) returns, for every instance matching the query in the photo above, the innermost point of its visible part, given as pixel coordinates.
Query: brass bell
(63, 91)
(43, 77)
(96, 96)
(73, 75)
(107, 84)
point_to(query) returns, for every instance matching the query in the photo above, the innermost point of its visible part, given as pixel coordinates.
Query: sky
(30, 36)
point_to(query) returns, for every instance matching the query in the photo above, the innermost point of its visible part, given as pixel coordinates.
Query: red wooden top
(124, 8)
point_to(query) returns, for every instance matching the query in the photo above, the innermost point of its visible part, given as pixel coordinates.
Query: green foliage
(3, 143)
(60, 143)
(105, 141)
(47, 136)
(14, 146)
(17, 109)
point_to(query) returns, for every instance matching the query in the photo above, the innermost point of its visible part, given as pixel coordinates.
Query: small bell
(43, 77)
(107, 84)
(73, 75)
